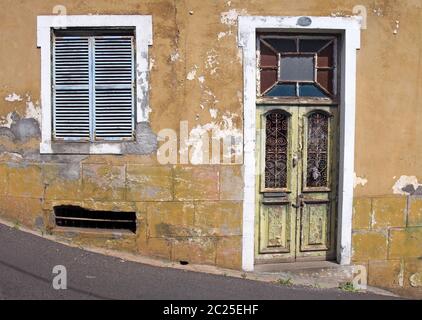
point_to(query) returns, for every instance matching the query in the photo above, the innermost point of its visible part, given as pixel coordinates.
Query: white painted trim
(350, 28)
(143, 29)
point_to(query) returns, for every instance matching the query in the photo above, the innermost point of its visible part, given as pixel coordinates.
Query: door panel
(277, 181)
(296, 197)
(315, 225)
(275, 227)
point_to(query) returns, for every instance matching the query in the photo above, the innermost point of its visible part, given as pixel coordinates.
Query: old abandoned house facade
(228, 133)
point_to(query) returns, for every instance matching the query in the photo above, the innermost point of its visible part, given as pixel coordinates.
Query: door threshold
(296, 266)
(319, 274)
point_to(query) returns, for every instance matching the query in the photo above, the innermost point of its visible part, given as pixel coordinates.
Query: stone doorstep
(309, 274)
(320, 274)
(316, 274)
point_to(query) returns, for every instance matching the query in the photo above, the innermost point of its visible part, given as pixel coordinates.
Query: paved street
(27, 261)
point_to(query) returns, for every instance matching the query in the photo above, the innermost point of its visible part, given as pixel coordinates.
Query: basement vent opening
(77, 217)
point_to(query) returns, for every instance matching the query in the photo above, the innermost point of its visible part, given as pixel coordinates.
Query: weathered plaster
(214, 132)
(13, 97)
(213, 113)
(25, 129)
(230, 17)
(7, 121)
(21, 129)
(33, 110)
(407, 185)
(175, 56)
(416, 279)
(146, 141)
(359, 181)
(211, 63)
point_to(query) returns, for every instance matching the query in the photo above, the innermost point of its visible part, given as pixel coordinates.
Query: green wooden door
(296, 183)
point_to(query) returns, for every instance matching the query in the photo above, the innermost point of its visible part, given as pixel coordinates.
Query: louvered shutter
(93, 88)
(114, 87)
(71, 88)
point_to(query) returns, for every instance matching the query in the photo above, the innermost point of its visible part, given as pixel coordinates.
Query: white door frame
(349, 27)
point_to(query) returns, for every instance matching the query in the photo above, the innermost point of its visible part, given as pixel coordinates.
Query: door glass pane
(310, 90)
(325, 57)
(268, 57)
(325, 79)
(311, 45)
(276, 149)
(317, 150)
(268, 79)
(283, 45)
(283, 90)
(297, 68)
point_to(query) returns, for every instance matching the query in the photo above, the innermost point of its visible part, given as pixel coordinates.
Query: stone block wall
(184, 213)
(387, 239)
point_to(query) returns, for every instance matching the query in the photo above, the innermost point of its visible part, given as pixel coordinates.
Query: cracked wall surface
(188, 212)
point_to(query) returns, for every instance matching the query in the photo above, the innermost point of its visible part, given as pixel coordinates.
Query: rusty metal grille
(276, 146)
(317, 150)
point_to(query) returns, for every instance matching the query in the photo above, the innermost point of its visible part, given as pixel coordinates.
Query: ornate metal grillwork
(317, 150)
(276, 146)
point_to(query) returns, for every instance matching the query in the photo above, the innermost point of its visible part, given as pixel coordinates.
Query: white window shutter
(94, 88)
(71, 88)
(114, 87)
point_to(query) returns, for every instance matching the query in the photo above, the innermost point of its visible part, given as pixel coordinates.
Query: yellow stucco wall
(196, 67)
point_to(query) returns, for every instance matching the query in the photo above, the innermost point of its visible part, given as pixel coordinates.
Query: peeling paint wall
(196, 76)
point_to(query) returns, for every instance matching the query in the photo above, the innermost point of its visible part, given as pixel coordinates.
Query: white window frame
(350, 28)
(143, 38)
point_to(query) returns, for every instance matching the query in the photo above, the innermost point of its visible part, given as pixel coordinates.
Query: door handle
(299, 202)
(295, 160)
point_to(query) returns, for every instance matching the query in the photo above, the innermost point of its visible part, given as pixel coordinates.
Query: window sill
(56, 147)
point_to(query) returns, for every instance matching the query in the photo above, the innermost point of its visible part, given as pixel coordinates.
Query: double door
(296, 183)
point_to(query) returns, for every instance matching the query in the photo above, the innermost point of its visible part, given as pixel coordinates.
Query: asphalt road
(27, 262)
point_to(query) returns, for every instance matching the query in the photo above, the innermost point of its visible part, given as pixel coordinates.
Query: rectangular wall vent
(77, 217)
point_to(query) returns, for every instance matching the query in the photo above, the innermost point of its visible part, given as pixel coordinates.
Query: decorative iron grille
(276, 146)
(317, 152)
